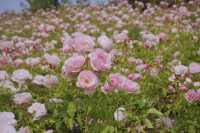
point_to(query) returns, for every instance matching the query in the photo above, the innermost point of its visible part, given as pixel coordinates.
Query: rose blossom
(21, 76)
(100, 60)
(194, 67)
(180, 69)
(7, 118)
(83, 43)
(88, 81)
(105, 42)
(73, 65)
(22, 98)
(38, 110)
(193, 96)
(52, 60)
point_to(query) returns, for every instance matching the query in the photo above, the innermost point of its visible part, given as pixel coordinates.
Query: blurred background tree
(44, 4)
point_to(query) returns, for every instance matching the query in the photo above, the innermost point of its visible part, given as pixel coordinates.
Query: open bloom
(180, 70)
(194, 68)
(73, 65)
(38, 110)
(88, 81)
(105, 42)
(22, 98)
(50, 81)
(47, 81)
(33, 61)
(100, 60)
(52, 60)
(21, 76)
(7, 118)
(193, 96)
(120, 82)
(7, 129)
(67, 43)
(83, 43)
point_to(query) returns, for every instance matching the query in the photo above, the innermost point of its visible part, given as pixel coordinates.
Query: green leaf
(148, 123)
(108, 129)
(154, 111)
(71, 109)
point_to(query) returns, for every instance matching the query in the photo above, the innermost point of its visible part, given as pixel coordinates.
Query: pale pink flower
(105, 42)
(50, 81)
(116, 80)
(21, 76)
(193, 96)
(107, 88)
(162, 36)
(130, 86)
(32, 61)
(38, 80)
(7, 118)
(24, 130)
(3, 75)
(67, 42)
(73, 65)
(180, 69)
(7, 129)
(194, 67)
(22, 98)
(52, 60)
(83, 43)
(88, 81)
(121, 37)
(18, 62)
(135, 76)
(38, 110)
(100, 60)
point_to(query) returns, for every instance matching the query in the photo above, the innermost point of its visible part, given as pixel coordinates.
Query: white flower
(22, 98)
(21, 76)
(120, 114)
(38, 110)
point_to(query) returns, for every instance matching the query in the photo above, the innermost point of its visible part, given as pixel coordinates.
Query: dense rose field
(94, 69)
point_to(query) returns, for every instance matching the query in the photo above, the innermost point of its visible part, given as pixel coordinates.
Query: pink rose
(100, 60)
(73, 65)
(88, 81)
(52, 60)
(38, 110)
(83, 43)
(193, 96)
(67, 43)
(194, 68)
(116, 80)
(22, 98)
(105, 42)
(130, 86)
